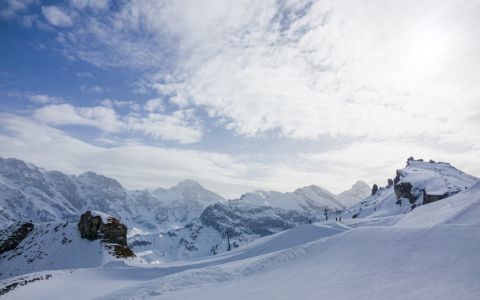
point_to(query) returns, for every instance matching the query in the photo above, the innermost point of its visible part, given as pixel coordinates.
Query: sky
(240, 95)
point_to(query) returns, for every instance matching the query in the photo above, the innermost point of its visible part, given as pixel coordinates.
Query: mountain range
(185, 220)
(416, 237)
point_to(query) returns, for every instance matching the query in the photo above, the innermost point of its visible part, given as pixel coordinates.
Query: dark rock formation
(16, 237)
(374, 189)
(113, 232)
(389, 182)
(89, 226)
(404, 190)
(432, 198)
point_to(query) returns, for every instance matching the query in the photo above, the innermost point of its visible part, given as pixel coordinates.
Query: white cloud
(302, 69)
(99, 117)
(56, 16)
(178, 126)
(114, 103)
(136, 166)
(43, 99)
(139, 166)
(154, 105)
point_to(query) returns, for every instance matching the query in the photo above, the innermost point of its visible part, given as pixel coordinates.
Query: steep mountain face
(417, 184)
(31, 193)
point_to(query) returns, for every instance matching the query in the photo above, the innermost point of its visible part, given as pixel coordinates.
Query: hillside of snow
(431, 252)
(52, 246)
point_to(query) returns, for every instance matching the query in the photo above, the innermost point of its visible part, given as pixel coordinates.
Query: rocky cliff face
(113, 232)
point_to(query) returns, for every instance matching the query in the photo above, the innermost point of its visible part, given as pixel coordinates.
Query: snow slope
(52, 246)
(431, 252)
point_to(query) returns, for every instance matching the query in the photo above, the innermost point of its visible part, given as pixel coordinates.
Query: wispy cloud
(65, 114)
(181, 126)
(302, 69)
(56, 16)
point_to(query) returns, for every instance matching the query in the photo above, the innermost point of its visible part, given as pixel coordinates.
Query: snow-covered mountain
(417, 184)
(244, 220)
(30, 193)
(428, 253)
(183, 221)
(359, 191)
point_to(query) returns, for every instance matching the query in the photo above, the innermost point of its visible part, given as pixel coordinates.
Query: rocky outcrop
(404, 190)
(432, 198)
(16, 237)
(113, 232)
(374, 189)
(389, 182)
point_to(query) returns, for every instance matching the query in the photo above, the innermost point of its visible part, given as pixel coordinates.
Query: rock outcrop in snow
(10, 241)
(28, 247)
(417, 184)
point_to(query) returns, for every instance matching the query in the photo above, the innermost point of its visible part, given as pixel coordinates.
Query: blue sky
(240, 96)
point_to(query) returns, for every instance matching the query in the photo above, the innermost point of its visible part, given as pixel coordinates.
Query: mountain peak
(357, 192)
(188, 184)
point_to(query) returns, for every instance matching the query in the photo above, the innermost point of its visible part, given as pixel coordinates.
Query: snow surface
(382, 249)
(53, 246)
(429, 253)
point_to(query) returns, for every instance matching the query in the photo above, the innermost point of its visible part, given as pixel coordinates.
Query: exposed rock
(16, 237)
(113, 232)
(389, 182)
(432, 198)
(404, 190)
(89, 226)
(374, 189)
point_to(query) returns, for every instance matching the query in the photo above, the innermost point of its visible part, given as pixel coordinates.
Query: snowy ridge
(417, 184)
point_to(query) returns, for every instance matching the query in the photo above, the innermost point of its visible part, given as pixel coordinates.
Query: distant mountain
(359, 191)
(31, 193)
(243, 220)
(182, 221)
